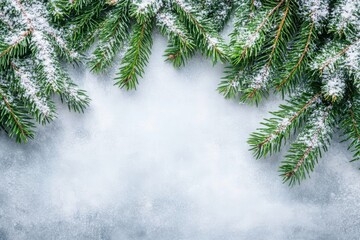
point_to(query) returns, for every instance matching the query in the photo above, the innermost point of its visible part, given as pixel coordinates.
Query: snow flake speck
(168, 20)
(319, 129)
(334, 83)
(317, 9)
(261, 78)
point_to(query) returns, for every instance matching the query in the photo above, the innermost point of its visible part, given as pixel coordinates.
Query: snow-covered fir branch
(318, 10)
(307, 49)
(289, 47)
(189, 25)
(30, 54)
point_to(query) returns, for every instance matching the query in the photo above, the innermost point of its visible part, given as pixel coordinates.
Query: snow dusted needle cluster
(261, 78)
(346, 17)
(352, 62)
(317, 131)
(189, 26)
(318, 10)
(306, 48)
(31, 51)
(168, 20)
(334, 85)
(310, 50)
(143, 6)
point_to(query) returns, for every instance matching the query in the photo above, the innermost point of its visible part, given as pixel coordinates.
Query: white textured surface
(169, 161)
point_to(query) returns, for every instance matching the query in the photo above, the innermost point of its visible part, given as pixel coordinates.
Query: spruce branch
(257, 48)
(208, 41)
(39, 105)
(182, 45)
(278, 34)
(110, 39)
(14, 119)
(307, 49)
(218, 11)
(305, 151)
(345, 18)
(284, 81)
(189, 26)
(244, 47)
(350, 126)
(311, 51)
(136, 57)
(15, 49)
(328, 63)
(276, 130)
(31, 51)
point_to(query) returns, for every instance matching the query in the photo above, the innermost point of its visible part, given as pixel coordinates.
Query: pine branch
(276, 130)
(246, 46)
(182, 45)
(14, 50)
(304, 153)
(261, 50)
(285, 79)
(219, 12)
(350, 127)
(345, 16)
(136, 57)
(278, 34)
(14, 120)
(113, 34)
(38, 104)
(208, 41)
(85, 26)
(297, 47)
(189, 25)
(30, 71)
(334, 58)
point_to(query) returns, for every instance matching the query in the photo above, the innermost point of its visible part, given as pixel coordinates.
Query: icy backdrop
(169, 161)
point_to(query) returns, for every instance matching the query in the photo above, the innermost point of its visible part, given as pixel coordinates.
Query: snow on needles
(352, 62)
(169, 20)
(144, 6)
(334, 84)
(345, 14)
(260, 80)
(318, 129)
(317, 9)
(30, 89)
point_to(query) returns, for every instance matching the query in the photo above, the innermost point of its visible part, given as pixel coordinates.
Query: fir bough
(310, 50)
(190, 26)
(31, 51)
(306, 50)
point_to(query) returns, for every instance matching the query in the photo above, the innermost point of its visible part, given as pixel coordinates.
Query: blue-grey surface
(169, 161)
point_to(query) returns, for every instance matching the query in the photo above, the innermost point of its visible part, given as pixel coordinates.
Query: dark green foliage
(350, 126)
(136, 57)
(308, 51)
(31, 51)
(111, 39)
(278, 129)
(124, 25)
(311, 50)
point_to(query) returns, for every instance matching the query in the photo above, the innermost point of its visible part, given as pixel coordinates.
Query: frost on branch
(333, 85)
(318, 10)
(310, 50)
(261, 78)
(317, 129)
(31, 49)
(305, 151)
(346, 17)
(189, 25)
(352, 63)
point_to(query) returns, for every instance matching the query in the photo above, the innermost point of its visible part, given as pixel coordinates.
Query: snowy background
(169, 161)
